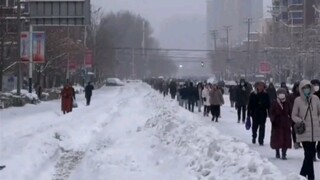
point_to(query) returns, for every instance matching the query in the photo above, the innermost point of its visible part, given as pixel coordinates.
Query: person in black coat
(258, 109)
(284, 85)
(292, 97)
(88, 93)
(232, 93)
(242, 93)
(173, 89)
(271, 90)
(192, 96)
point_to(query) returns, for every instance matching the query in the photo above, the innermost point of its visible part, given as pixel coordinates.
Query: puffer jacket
(216, 97)
(205, 94)
(312, 133)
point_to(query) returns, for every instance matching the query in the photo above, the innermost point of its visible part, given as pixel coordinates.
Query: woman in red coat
(280, 116)
(67, 96)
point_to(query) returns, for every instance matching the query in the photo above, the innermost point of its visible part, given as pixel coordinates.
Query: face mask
(316, 88)
(307, 91)
(281, 96)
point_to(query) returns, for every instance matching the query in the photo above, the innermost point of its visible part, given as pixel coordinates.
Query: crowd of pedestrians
(294, 117)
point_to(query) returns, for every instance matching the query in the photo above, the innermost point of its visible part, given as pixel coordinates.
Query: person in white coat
(206, 98)
(306, 109)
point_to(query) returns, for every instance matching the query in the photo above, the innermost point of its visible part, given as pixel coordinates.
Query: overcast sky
(164, 13)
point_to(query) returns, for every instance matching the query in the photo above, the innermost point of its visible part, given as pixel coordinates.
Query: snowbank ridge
(209, 155)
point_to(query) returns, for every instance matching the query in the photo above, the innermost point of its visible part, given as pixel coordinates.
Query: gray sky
(165, 13)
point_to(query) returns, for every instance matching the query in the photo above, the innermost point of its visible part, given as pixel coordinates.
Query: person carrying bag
(305, 113)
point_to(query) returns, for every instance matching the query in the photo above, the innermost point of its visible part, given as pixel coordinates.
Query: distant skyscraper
(232, 13)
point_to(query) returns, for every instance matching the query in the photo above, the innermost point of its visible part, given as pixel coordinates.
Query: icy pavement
(131, 133)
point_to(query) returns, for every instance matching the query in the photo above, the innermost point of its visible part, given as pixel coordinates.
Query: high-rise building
(297, 15)
(232, 13)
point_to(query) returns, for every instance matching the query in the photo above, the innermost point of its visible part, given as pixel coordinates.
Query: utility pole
(227, 29)
(214, 34)
(249, 22)
(2, 35)
(133, 63)
(143, 44)
(19, 74)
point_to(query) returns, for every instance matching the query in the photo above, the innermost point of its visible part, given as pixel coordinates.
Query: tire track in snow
(70, 159)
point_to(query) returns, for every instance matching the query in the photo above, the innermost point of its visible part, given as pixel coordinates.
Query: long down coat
(280, 116)
(67, 96)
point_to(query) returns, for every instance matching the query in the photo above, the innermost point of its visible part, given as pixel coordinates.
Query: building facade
(297, 15)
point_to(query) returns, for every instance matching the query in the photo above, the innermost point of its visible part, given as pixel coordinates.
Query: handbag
(300, 127)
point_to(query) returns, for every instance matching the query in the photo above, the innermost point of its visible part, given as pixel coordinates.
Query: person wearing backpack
(305, 114)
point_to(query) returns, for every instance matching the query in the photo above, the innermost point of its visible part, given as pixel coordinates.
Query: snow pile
(78, 88)
(209, 154)
(25, 93)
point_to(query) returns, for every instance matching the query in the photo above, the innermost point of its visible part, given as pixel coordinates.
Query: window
(295, 2)
(296, 15)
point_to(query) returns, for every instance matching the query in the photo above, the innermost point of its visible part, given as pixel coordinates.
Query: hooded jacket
(242, 94)
(310, 118)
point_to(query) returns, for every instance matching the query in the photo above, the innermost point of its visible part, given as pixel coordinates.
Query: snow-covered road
(131, 133)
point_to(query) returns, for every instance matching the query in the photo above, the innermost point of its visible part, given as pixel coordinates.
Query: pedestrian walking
(271, 90)
(216, 101)
(292, 97)
(67, 98)
(232, 95)
(165, 89)
(316, 85)
(192, 96)
(173, 89)
(88, 93)
(258, 108)
(242, 98)
(199, 97)
(305, 114)
(280, 116)
(39, 91)
(284, 85)
(206, 100)
(183, 95)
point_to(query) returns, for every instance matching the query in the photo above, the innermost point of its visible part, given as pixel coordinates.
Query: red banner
(72, 65)
(89, 59)
(265, 68)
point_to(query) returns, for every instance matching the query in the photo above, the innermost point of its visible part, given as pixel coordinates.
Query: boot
(297, 145)
(253, 141)
(284, 156)
(238, 121)
(216, 119)
(277, 154)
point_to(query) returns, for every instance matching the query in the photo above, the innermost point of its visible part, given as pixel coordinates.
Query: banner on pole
(89, 60)
(265, 68)
(25, 44)
(72, 65)
(38, 47)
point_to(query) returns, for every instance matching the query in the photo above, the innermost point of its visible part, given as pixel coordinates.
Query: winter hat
(260, 83)
(315, 82)
(281, 91)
